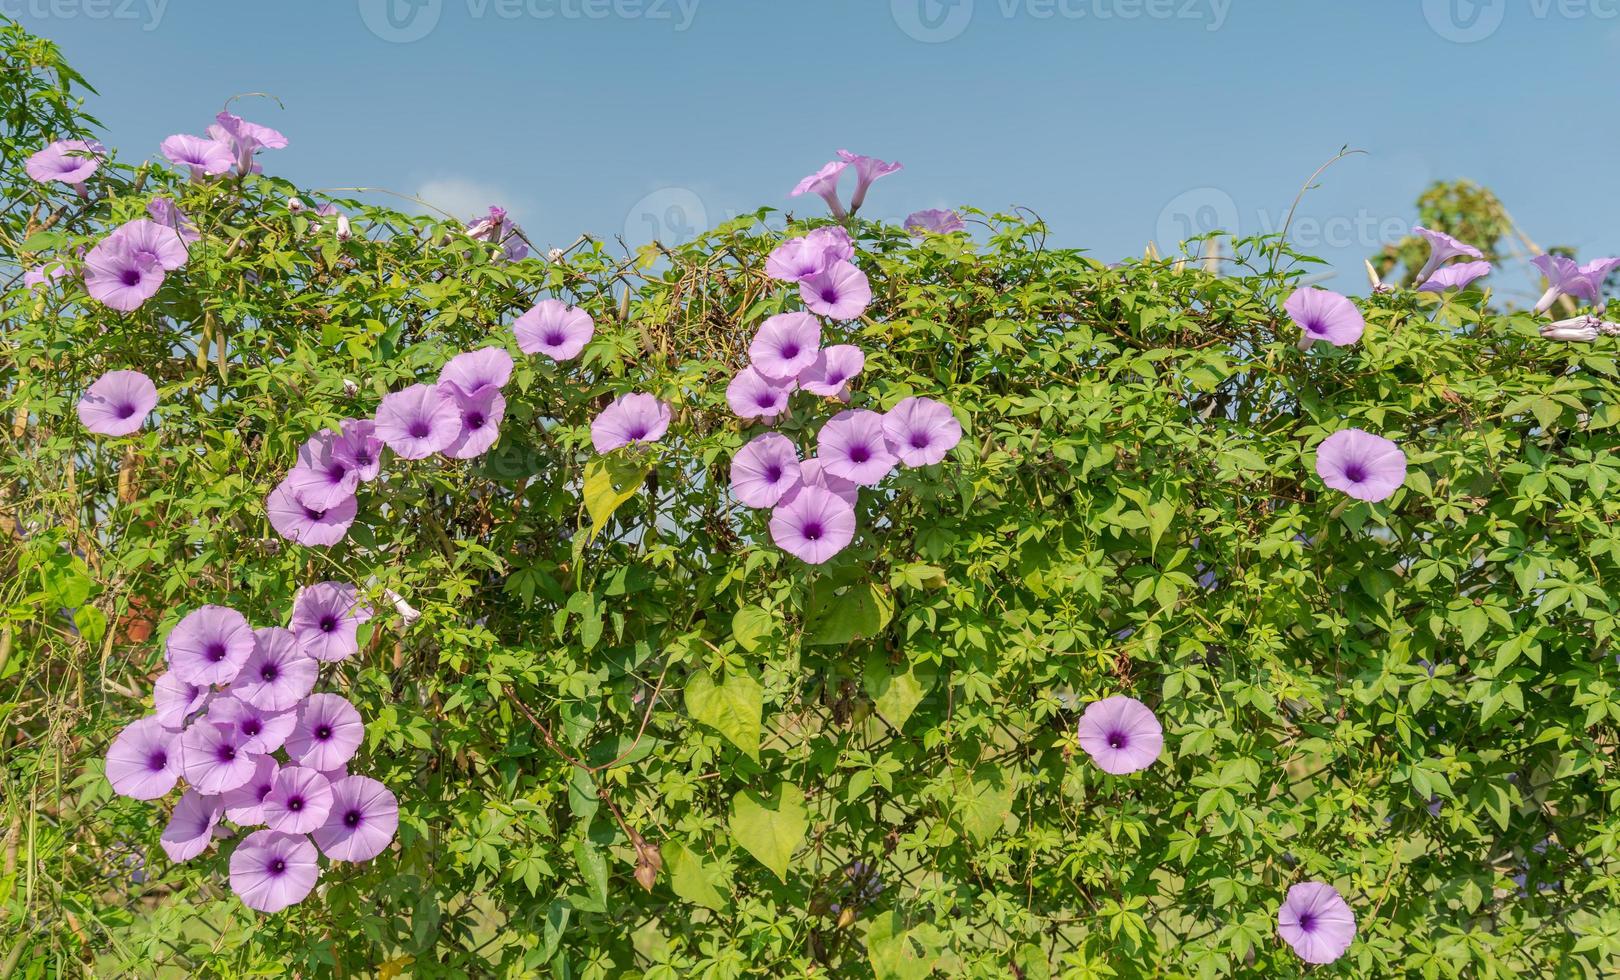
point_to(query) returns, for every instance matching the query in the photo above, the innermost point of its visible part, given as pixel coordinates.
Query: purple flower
(813, 474)
(150, 243)
(271, 870)
(764, 470)
(1315, 920)
(480, 415)
(1365, 466)
(214, 758)
(67, 161)
(174, 700)
(246, 138)
(41, 274)
(840, 291)
(117, 403)
(244, 805)
(1442, 249)
(362, 821)
(326, 620)
(486, 367)
(1324, 315)
(322, 478)
(853, 445)
(867, 170)
(168, 214)
(118, 278)
(1564, 277)
(278, 674)
(143, 762)
(630, 418)
(1455, 277)
(205, 157)
(1121, 735)
(191, 826)
(359, 449)
(555, 329)
(298, 802)
(306, 525)
(495, 227)
(797, 258)
(752, 395)
(1585, 327)
(829, 375)
(921, 431)
(824, 183)
(814, 526)
(261, 731)
(418, 421)
(934, 221)
(785, 344)
(327, 733)
(210, 645)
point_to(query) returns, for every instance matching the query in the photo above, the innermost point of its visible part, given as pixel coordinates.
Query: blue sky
(1119, 121)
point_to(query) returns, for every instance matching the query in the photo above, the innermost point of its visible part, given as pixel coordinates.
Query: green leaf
(751, 625)
(770, 827)
(733, 708)
(610, 480)
(898, 953)
(690, 877)
(983, 801)
(860, 612)
(896, 694)
(593, 869)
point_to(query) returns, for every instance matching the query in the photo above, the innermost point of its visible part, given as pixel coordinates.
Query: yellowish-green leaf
(770, 827)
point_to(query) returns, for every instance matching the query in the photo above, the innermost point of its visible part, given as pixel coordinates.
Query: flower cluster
(232, 698)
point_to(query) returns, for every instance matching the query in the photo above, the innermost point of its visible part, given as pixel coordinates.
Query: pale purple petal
(418, 421)
(326, 620)
(629, 419)
(853, 445)
(210, 645)
(751, 394)
(271, 870)
(765, 470)
(306, 525)
(143, 762)
(1316, 921)
(298, 802)
(1324, 315)
(814, 526)
(117, 403)
(327, 734)
(555, 329)
(841, 291)
(1121, 735)
(363, 819)
(1363, 465)
(921, 431)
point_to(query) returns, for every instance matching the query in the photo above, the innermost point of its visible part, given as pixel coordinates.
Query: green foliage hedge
(867, 768)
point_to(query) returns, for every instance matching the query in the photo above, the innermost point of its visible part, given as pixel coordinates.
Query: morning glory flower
(271, 870)
(166, 213)
(247, 139)
(853, 445)
(751, 394)
(809, 254)
(813, 474)
(174, 701)
(784, 345)
(261, 731)
(555, 329)
(867, 170)
(814, 526)
(326, 620)
(629, 419)
(143, 762)
(214, 758)
(209, 645)
(473, 370)
(359, 449)
(1316, 922)
(496, 228)
(322, 477)
(1565, 278)
(765, 470)
(40, 275)
(1322, 314)
(203, 157)
(117, 403)
(278, 674)
(191, 826)
(1121, 735)
(829, 375)
(1457, 276)
(244, 805)
(66, 161)
(118, 277)
(362, 820)
(1442, 249)
(307, 525)
(327, 733)
(934, 221)
(1365, 466)
(921, 431)
(418, 421)
(1580, 328)
(840, 291)
(824, 183)
(480, 415)
(298, 802)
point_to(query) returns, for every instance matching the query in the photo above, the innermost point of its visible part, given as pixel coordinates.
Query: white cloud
(467, 198)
